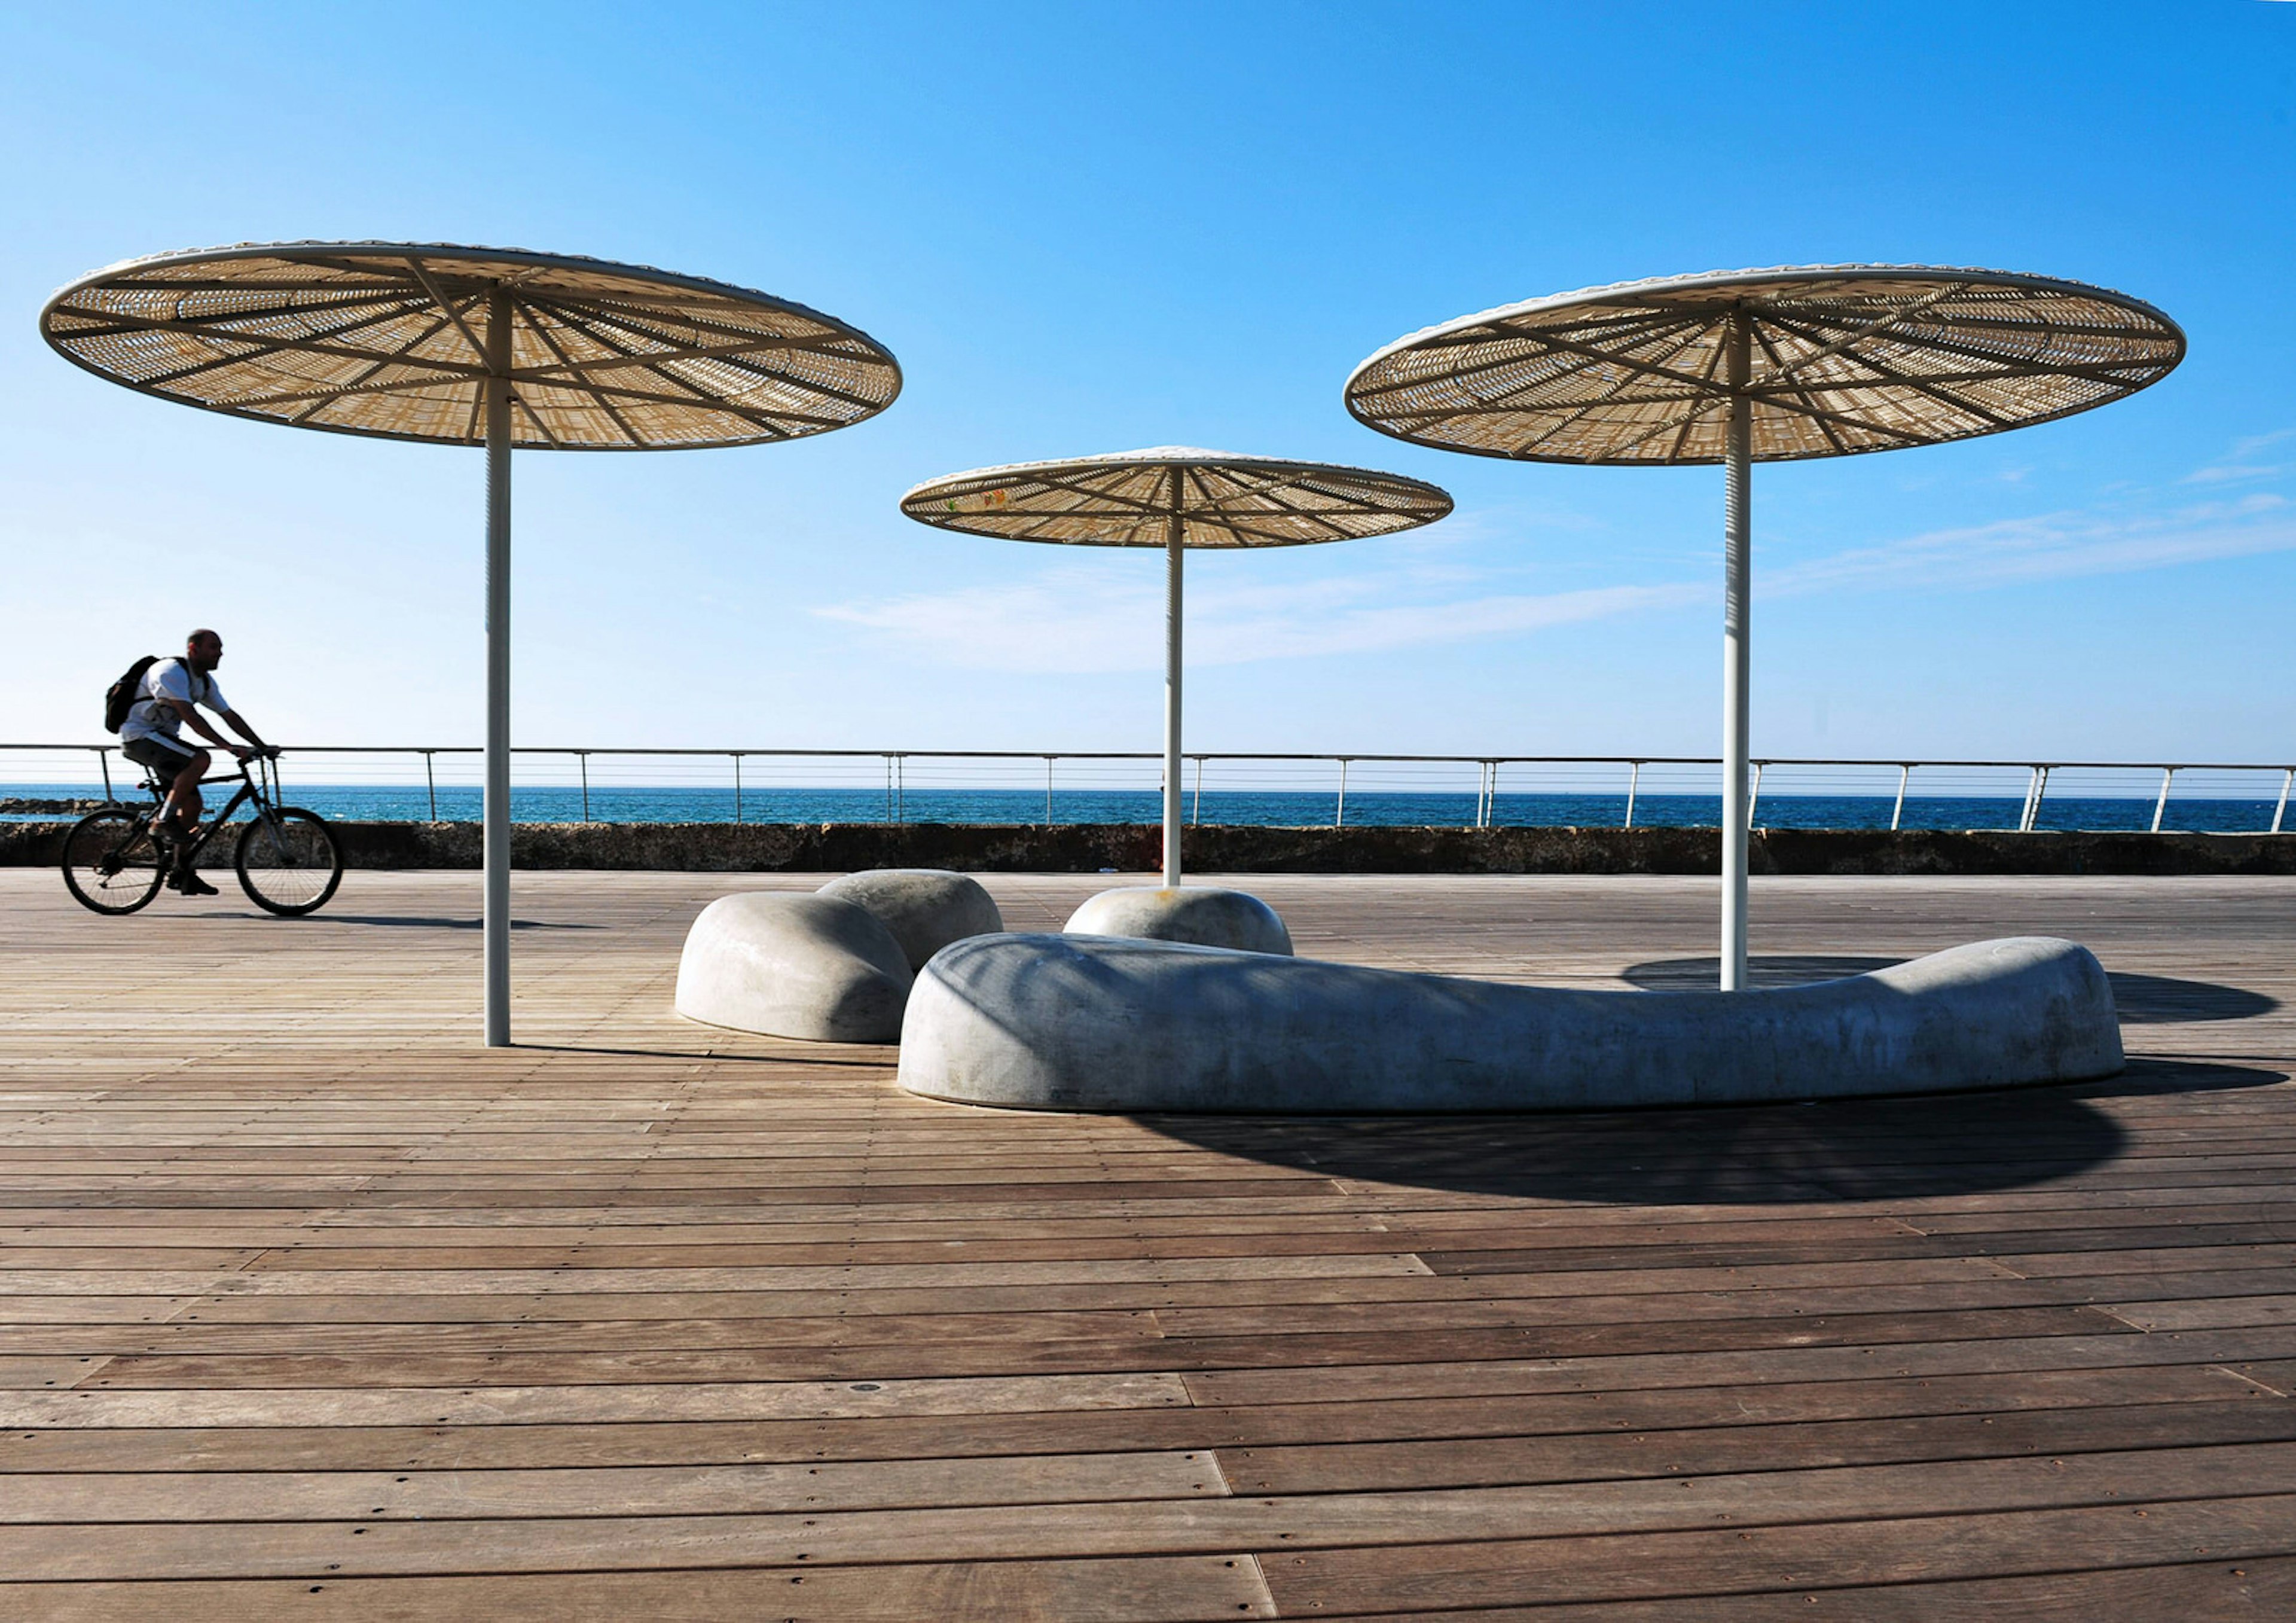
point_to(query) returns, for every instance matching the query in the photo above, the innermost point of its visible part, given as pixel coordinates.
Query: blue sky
(1095, 227)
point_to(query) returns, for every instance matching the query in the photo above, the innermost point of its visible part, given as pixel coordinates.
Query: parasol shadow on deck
(2139, 1000)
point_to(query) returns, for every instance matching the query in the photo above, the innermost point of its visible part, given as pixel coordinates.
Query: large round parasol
(474, 346)
(1769, 365)
(1175, 497)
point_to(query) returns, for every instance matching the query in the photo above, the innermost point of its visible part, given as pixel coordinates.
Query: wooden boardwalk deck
(310, 1307)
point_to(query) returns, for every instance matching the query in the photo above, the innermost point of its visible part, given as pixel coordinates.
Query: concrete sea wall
(1135, 848)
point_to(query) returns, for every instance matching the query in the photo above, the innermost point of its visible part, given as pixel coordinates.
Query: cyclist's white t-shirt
(169, 679)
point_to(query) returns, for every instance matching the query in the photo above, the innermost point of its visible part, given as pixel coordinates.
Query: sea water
(1269, 808)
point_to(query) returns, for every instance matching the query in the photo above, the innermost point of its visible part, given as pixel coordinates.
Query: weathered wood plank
(646, 1298)
(1182, 1589)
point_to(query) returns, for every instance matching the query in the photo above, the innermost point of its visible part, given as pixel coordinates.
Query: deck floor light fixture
(1175, 497)
(474, 346)
(1761, 365)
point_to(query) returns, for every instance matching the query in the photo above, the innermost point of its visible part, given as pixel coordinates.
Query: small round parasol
(1762, 365)
(1175, 497)
(474, 346)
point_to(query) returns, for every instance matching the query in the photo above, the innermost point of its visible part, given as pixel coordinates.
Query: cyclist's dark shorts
(157, 753)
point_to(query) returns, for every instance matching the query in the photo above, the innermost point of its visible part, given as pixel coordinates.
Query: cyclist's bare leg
(182, 809)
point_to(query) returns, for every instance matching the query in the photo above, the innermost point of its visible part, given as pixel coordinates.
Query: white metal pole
(2279, 812)
(1173, 550)
(496, 811)
(2040, 793)
(1736, 634)
(1634, 781)
(1897, 812)
(2168, 774)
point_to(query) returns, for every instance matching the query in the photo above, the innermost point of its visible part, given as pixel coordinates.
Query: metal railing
(1437, 774)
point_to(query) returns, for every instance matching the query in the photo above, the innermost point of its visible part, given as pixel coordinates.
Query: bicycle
(287, 858)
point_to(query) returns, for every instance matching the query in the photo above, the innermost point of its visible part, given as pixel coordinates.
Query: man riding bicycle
(168, 700)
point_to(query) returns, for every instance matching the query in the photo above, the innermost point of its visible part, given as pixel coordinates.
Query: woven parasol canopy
(474, 346)
(1175, 497)
(1840, 359)
(392, 339)
(1762, 365)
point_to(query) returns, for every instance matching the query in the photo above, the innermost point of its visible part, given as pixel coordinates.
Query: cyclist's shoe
(190, 883)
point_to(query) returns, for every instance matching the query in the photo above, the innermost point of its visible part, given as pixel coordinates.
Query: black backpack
(123, 695)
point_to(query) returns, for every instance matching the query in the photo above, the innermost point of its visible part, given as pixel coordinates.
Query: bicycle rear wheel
(112, 864)
(288, 863)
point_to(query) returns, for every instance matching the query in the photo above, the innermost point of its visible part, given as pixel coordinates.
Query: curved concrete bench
(925, 908)
(790, 965)
(1199, 915)
(1089, 1023)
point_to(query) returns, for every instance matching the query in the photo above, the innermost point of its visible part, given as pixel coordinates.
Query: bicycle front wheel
(288, 862)
(112, 864)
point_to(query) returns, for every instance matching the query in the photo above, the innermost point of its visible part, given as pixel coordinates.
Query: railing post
(889, 789)
(1340, 815)
(1634, 781)
(430, 781)
(2161, 804)
(901, 790)
(737, 785)
(582, 757)
(2279, 812)
(1897, 812)
(2033, 794)
(1754, 795)
(104, 765)
(1196, 805)
(1048, 791)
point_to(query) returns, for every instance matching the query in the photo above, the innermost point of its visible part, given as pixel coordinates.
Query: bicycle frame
(259, 786)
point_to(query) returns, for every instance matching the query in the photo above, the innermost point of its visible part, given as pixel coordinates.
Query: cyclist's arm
(239, 724)
(197, 723)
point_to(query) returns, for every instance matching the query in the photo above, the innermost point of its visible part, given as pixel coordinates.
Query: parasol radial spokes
(1840, 359)
(1221, 500)
(390, 338)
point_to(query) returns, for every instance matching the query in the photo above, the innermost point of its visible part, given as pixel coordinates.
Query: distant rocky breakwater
(21, 805)
(837, 847)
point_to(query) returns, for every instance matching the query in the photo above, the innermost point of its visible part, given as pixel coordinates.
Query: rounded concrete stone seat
(1197, 915)
(816, 967)
(925, 908)
(1083, 1022)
